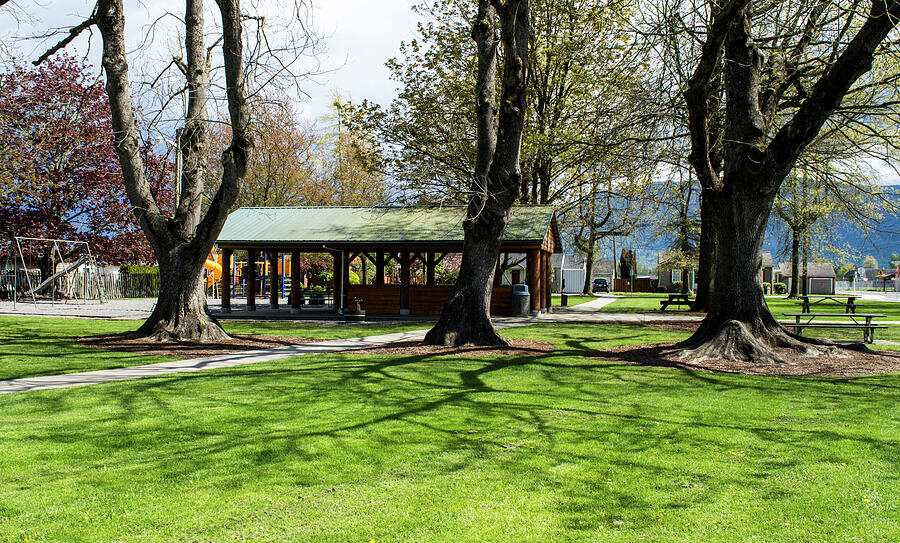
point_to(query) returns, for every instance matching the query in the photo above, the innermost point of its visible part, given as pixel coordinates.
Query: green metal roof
(347, 225)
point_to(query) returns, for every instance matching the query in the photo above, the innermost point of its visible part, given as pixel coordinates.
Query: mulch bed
(518, 347)
(188, 349)
(848, 363)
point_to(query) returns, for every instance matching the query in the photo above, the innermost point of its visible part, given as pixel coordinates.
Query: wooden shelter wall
(423, 300)
(375, 299)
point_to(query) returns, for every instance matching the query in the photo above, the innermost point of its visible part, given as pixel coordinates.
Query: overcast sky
(360, 36)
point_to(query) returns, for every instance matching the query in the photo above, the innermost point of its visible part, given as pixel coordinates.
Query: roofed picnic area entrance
(387, 237)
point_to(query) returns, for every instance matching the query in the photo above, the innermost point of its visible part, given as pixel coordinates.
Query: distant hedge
(135, 269)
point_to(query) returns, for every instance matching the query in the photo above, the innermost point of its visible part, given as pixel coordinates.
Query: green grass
(636, 303)
(34, 346)
(551, 447)
(573, 299)
(646, 303)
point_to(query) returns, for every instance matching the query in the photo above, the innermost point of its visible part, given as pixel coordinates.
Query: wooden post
(226, 279)
(273, 280)
(338, 281)
(251, 280)
(296, 282)
(498, 273)
(532, 276)
(429, 269)
(548, 280)
(404, 283)
(379, 267)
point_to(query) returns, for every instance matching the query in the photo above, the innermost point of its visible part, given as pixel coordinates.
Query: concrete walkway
(199, 364)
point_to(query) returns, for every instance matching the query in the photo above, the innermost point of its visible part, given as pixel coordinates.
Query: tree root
(463, 332)
(736, 341)
(188, 327)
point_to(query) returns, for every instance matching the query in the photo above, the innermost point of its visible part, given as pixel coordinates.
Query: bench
(847, 302)
(867, 327)
(677, 299)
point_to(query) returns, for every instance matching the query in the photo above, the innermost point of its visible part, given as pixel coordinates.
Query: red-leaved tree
(59, 174)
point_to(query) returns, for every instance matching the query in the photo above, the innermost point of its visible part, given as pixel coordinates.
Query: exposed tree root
(196, 327)
(740, 342)
(465, 331)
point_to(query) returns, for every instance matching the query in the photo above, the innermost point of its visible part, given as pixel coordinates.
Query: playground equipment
(48, 282)
(263, 267)
(74, 280)
(213, 270)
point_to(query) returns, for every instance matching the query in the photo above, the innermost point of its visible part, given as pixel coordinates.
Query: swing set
(74, 276)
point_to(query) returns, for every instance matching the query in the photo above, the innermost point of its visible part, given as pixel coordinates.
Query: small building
(669, 273)
(820, 278)
(570, 269)
(408, 237)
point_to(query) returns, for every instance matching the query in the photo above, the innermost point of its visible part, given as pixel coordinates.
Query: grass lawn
(635, 303)
(573, 299)
(552, 447)
(645, 303)
(778, 305)
(33, 346)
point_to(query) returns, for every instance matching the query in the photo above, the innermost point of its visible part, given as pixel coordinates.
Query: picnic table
(677, 299)
(816, 301)
(861, 321)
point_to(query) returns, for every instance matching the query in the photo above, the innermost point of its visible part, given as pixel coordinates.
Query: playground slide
(215, 272)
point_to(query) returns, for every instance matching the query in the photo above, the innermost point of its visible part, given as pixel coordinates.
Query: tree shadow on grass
(582, 432)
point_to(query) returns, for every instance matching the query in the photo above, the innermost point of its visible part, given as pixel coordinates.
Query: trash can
(521, 301)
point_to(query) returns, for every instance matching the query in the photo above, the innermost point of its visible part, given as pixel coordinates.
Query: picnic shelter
(382, 237)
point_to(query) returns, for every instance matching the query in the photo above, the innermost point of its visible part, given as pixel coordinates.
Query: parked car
(600, 285)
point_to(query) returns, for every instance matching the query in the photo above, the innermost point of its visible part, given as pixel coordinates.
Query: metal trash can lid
(520, 289)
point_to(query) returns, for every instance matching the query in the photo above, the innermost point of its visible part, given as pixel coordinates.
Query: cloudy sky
(360, 35)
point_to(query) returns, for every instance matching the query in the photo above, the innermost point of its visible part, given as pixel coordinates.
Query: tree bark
(739, 325)
(181, 312)
(466, 315)
(588, 268)
(795, 264)
(181, 242)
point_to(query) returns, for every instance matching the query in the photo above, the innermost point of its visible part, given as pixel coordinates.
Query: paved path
(199, 364)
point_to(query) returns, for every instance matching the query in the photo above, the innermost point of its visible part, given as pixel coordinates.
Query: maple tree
(59, 174)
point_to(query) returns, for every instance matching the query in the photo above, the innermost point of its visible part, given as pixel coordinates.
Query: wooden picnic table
(810, 302)
(861, 321)
(677, 299)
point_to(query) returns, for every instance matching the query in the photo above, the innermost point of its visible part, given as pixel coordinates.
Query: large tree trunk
(181, 242)
(181, 312)
(466, 315)
(706, 252)
(738, 324)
